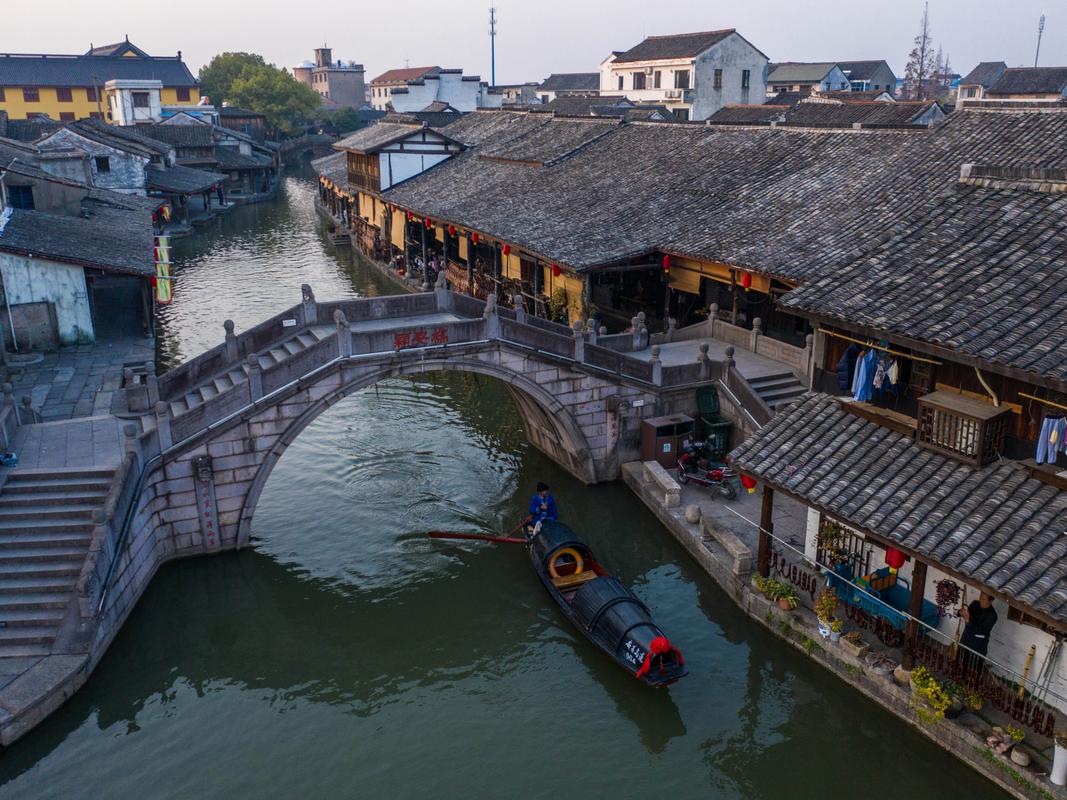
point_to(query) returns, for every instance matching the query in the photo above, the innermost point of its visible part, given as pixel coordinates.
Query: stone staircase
(267, 359)
(778, 390)
(45, 530)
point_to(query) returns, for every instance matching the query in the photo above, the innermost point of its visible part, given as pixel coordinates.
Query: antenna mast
(492, 45)
(1040, 30)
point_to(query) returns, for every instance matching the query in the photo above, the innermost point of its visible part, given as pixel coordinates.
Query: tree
(920, 60)
(217, 76)
(343, 120)
(287, 103)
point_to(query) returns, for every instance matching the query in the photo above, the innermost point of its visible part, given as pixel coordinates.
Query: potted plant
(853, 643)
(825, 607)
(765, 586)
(836, 627)
(928, 697)
(787, 596)
(1019, 754)
(1059, 760)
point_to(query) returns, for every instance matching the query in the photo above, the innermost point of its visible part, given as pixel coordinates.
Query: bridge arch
(549, 424)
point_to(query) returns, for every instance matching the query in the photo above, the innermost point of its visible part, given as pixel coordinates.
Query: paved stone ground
(749, 364)
(70, 444)
(80, 381)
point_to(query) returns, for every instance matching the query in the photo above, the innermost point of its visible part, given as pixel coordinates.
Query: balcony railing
(961, 427)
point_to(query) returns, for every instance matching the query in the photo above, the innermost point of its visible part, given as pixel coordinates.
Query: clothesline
(1043, 401)
(878, 347)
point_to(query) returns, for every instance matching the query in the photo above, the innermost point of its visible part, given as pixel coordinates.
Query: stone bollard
(231, 342)
(310, 307)
(730, 363)
(492, 318)
(756, 323)
(344, 334)
(672, 326)
(28, 415)
(657, 366)
(151, 381)
(704, 361)
(635, 329)
(692, 514)
(255, 378)
(520, 309)
(132, 441)
(645, 338)
(579, 341)
(713, 319)
(163, 425)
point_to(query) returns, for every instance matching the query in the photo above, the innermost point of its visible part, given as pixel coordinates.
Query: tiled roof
(57, 70)
(230, 158)
(494, 126)
(406, 74)
(116, 49)
(119, 137)
(844, 96)
(333, 167)
(181, 180)
(861, 70)
(439, 107)
(995, 525)
(747, 114)
(786, 98)
(793, 71)
(579, 106)
(550, 143)
(1030, 80)
(571, 82)
(680, 45)
(984, 74)
(27, 130)
(981, 272)
(374, 137)
(871, 112)
(180, 135)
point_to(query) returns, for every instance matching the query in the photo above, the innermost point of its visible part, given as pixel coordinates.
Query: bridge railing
(296, 366)
(416, 335)
(368, 308)
(540, 339)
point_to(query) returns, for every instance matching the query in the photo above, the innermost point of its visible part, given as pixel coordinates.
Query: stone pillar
(152, 382)
(915, 610)
(163, 425)
(672, 325)
(766, 524)
(27, 413)
(730, 363)
(442, 292)
(809, 360)
(635, 328)
(657, 366)
(132, 441)
(492, 319)
(311, 311)
(579, 341)
(344, 334)
(232, 354)
(756, 323)
(713, 319)
(255, 378)
(704, 361)
(592, 331)
(520, 309)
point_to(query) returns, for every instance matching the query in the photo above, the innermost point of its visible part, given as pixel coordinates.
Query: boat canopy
(555, 536)
(616, 617)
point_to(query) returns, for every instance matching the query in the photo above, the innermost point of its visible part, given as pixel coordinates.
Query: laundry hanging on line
(1050, 442)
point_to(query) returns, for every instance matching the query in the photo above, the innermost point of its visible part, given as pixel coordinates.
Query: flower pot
(1059, 767)
(824, 629)
(835, 636)
(1020, 756)
(902, 676)
(783, 604)
(857, 649)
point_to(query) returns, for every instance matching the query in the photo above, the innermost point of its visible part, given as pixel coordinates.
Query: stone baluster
(730, 363)
(232, 354)
(635, 328)
(809, 360)
(163, 425)
(442, 292)
(310, 307)
(132, 440)
(592, 331)
(255, 378)
(657, 366)
(713, 319)
(344, 334)
(704, 361)
(672, 327)
(520, 309)
(152, 382)
(579, 341)
(492, 318)
(28, 415)
(757, 323)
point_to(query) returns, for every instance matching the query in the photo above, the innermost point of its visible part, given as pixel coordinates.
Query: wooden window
(681, 79)
(140, 99)
(2, 97)
(639, 80)
(20, 197)
(65, 94)
(960, 427)
(90, 94)
(718, 79)
(103, 164)
(96, 115)
(746, 78)
(183, 95)
(656, 76)
(31, 96)
(620, 83)
(66, 116)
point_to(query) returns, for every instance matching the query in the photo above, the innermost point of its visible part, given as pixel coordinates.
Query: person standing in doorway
(980, 617)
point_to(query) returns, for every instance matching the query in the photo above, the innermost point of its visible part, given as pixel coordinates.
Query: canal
(346, 655)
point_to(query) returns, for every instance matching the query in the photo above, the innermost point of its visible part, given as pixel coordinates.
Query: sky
(535, 37)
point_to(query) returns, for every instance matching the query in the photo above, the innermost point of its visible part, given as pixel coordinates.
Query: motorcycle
(695, 466)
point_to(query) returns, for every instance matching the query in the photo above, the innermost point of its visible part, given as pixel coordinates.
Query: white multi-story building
(693, 74)
(414, 89)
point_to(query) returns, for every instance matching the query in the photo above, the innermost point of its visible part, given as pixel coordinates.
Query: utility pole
(1040, 30)
(492, 45)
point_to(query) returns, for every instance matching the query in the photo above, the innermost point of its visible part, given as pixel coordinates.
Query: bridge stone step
(48, 616)
(40, 554)
(40, 569)
(45, 538)
(293, 347)
(178, 407)
(65, 527)
(34, 475)
(224, 384)
(71, 511)
(24, 650)
(306, 339)
(45, 497)
(279, 354)
(207, 391)
(32, 601)
(58, 484)
(782, 396)
(23, 635)
(48, 586)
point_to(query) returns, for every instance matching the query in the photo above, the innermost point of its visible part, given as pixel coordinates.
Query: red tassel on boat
(659, 646)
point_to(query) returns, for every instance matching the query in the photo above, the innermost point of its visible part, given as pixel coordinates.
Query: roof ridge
(692, 33)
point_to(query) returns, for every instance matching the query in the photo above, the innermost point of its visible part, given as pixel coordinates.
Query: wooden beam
(915, 610)
(766, 524)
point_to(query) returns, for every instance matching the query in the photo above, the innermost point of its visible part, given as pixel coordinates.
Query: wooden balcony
(961, 427)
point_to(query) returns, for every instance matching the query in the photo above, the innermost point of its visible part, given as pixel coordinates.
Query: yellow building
(70, 87)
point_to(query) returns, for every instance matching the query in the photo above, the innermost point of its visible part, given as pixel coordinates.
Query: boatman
(542, 507)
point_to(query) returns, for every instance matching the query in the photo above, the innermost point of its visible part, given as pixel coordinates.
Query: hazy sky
(534, 37)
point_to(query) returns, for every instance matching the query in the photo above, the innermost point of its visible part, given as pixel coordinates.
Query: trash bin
(662, 437)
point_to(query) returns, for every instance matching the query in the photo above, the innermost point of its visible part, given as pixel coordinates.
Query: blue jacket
(537, 514)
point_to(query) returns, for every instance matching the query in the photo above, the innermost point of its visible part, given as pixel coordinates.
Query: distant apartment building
(692, 74)
(568, 84)
(414, 89)
(514, 94)
(796, 76)
(71, 87)
(869, 76)
(337, 81)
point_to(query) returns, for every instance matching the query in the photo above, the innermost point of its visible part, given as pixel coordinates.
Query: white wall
(126, 172)
(35, 280)
(397, 167)
(460, 94)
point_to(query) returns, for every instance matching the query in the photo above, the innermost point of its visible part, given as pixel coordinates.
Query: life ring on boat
(579, 564)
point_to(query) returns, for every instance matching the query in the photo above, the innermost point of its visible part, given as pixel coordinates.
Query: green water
(345, 655)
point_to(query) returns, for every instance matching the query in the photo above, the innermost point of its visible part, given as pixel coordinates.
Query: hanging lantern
(507, 249)
(556, 270)
(410, 216)
(474, 238)
(154, 282)
(428, 223)
(894, 558)
(666, 263)
(451, 230)
(748, 483)
(746, 280)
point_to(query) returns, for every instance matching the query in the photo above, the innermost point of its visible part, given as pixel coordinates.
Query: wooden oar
(481, 537)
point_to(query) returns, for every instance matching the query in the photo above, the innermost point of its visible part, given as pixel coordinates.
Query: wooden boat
(598, 605)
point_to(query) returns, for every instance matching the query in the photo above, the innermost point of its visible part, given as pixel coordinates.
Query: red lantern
(428, 223)
(410, 216)
(746, 280)
(666, 263)
(507, 249)
(748, 483)
(474, 238)
(894, 558)
(154, 281)
(451, 230)
(556, 270)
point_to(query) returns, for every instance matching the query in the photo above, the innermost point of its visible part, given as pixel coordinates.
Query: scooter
(695, 466)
